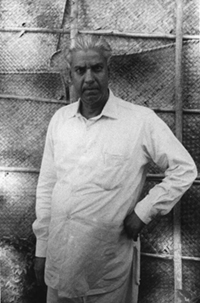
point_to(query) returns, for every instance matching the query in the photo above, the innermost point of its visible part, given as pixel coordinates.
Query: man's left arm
(180, 171)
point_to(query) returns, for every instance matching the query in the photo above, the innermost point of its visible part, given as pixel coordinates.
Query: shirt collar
(110, 109)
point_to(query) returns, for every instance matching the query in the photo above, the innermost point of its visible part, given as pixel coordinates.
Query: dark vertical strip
(73, 33)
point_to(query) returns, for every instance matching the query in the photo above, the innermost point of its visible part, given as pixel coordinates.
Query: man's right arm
(46, 183)
(39, 266)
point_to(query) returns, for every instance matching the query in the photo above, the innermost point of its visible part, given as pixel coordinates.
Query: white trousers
(120, 295)
(126, 293)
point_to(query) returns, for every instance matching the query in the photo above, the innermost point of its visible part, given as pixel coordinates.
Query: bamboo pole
(128, 34)
(169, 257)
(57, 101)
(13, 169)
(73, 21)
(37, 30)
(137, 35)
(97, 32)
(178, 72)
(191, 111)
(73, 34)
(62, 74)
(178, 121)
(62, 24)
(158, 177)
(150, 177)
(34, 99)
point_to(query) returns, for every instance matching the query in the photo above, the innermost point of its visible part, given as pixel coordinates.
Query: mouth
(90, 88)
(91, 91)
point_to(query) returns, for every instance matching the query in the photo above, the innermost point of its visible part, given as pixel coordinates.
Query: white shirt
(91, 177)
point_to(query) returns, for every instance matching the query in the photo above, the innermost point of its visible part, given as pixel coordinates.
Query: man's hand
(133, 225)
(39, 265)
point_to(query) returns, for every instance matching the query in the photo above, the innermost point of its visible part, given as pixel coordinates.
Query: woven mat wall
(23, 127)
(158, 281)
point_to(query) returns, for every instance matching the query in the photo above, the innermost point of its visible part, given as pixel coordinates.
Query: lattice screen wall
(142, 71)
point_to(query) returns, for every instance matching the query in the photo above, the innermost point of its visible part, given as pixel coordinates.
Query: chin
(92, 99)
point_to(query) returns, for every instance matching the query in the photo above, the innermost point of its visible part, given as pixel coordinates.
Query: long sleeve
(46, 182)
(169, 154)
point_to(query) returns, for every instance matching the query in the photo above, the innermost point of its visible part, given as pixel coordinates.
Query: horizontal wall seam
(169, 257)
(23, 30)
(19, 169)
(161, 176)
(34, 99)
(155, 177)
(65, 102)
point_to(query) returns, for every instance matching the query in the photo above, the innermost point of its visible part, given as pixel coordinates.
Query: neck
(88, 112)
(93, 109)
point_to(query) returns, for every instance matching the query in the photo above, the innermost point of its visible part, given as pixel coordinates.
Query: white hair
(88, 42)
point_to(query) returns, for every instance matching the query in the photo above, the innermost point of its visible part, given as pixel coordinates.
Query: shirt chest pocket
(111, 171)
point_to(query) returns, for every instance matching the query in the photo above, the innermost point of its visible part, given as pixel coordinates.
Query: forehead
(88, 57)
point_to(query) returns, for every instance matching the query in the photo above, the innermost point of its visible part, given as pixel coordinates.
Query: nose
(89, 76)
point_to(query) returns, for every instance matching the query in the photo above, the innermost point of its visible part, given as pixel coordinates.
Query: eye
(97, 68)
(80, 70)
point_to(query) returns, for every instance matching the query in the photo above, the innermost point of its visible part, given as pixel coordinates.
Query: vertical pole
(62, 74)
(179, 127)
(73, 33)
(178, 70)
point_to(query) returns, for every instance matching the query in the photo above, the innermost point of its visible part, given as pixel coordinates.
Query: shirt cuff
(143, 212)
(41, 248)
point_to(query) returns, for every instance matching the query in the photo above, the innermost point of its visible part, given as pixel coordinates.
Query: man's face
(89, 75)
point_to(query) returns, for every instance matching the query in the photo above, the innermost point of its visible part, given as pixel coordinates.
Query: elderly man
(88, 207)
